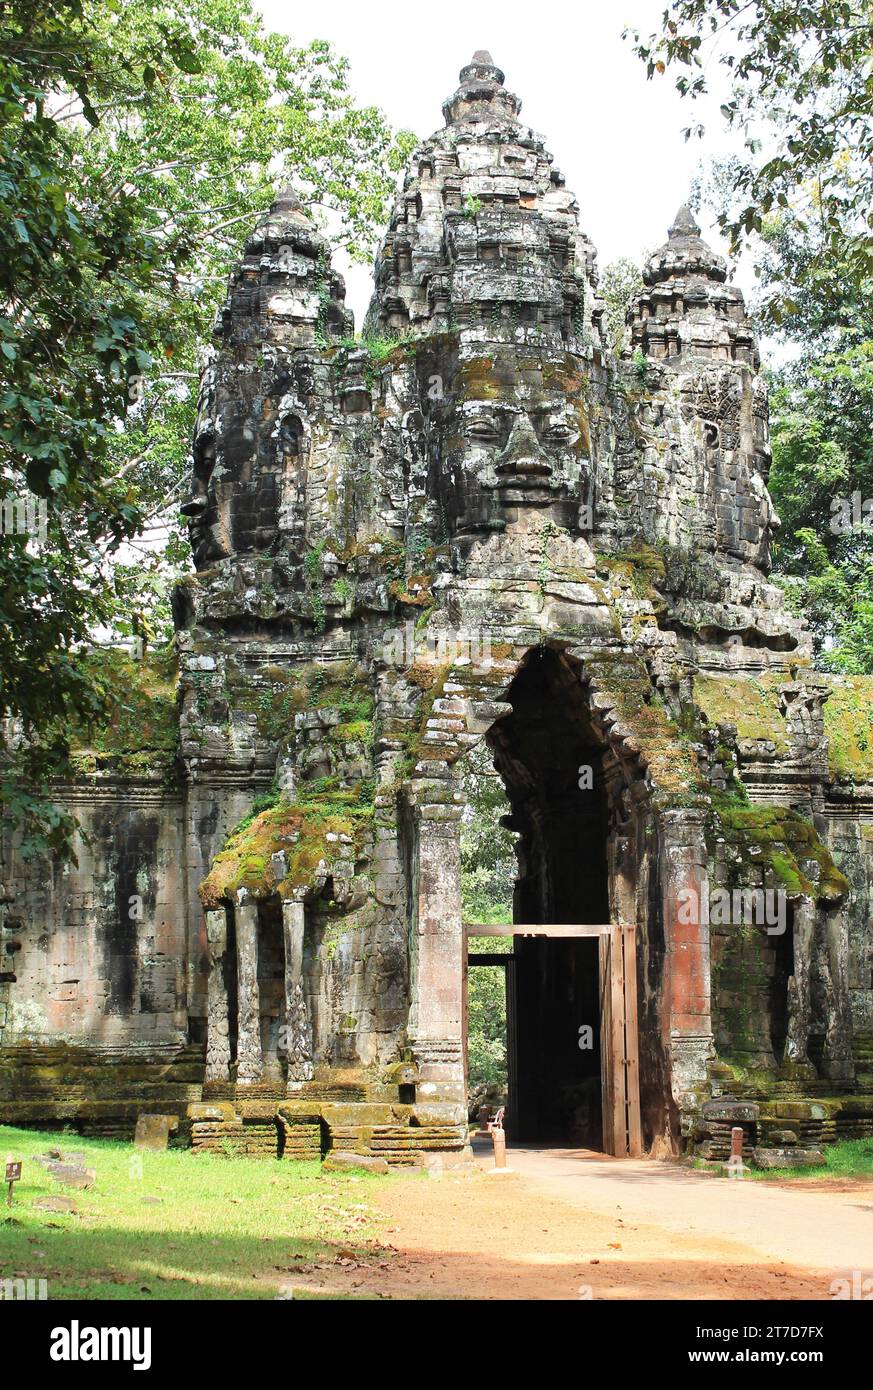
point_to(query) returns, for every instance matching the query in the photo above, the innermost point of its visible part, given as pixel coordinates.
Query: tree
(620, 283)
(822, 430)
(801, 74)
(488, 870)
(137, 144)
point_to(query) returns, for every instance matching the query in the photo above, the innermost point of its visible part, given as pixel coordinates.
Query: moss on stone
(751, 705)
(140, 733)
(280, 694)
(664, 745)
(299, 833)
(782, 841)
(848, 721)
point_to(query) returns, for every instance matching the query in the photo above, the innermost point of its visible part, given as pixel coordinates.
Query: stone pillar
(837, 1059)
(687, 1020)
(217, 1029)
(250, 1061)
(436, 1017)
(797, 1040)
(298, 1030)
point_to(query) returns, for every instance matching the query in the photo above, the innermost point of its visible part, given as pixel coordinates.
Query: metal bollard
(498, 1135)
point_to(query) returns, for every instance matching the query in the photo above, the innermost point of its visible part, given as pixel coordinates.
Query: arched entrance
(571, 973)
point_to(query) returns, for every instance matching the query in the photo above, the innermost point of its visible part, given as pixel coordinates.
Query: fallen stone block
(788, 1158)
(343, 1159)
(153, 1132)
(72, 1175)
(56, 1204)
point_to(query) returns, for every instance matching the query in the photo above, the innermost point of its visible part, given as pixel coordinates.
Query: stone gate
(473, 523)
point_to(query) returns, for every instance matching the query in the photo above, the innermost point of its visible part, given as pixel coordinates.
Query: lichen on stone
(778, 839)
(848, 722)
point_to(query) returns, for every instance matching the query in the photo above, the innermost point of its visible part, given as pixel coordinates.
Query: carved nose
(523, 453)
(194, 507)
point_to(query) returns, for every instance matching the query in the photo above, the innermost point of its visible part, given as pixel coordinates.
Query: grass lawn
(190, 1227)
(849, 1158)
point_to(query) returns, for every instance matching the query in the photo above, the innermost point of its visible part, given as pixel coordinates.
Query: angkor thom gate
(475, 523)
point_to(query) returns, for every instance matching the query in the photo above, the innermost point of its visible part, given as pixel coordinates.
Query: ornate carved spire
(688, 307)
(481, 95)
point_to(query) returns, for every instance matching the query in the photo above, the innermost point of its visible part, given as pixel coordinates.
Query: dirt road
(564, 1224)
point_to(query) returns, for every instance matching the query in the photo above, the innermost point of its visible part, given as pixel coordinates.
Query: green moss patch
(783, 842)
(300, 833)
(277, 694)
(848, 720)
(665, 746)
(141, 730)
(750, 705)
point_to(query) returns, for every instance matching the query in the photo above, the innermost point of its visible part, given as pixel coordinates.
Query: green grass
(224, 1228)
(849, 1158)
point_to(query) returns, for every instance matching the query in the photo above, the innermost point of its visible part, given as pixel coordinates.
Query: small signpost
(13, 1175)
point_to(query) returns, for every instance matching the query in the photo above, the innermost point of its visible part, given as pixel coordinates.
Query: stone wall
(474, 523)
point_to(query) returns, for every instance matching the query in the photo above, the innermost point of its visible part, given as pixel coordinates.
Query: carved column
(298, 1031)
(436, 1025)
(250, 1061)
(217, 1029)
(797, 1040)
(837, 1060)
(686, 1016)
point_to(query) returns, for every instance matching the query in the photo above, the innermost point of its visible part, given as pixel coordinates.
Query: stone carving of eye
(484, 431)
(560, 433)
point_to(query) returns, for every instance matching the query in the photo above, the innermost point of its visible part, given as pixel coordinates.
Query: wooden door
(619, 1046)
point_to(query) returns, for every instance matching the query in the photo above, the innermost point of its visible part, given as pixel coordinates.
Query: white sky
(616, 136)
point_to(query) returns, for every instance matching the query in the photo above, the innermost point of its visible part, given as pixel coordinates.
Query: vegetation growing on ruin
(283, 848)
(280, 694)
(782, 842)
(664, 745)
(139, 730)
(750, 704)
(848, 722)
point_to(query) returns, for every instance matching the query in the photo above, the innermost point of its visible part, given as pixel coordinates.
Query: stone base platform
(799, 1125)
(311, 1129)
(97, 1091)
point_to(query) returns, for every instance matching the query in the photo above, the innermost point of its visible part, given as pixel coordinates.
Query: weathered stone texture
(475, 523)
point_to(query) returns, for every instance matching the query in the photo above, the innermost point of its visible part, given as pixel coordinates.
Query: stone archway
(574, 806)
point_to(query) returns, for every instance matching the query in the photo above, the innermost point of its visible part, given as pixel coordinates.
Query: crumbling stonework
(473, 523)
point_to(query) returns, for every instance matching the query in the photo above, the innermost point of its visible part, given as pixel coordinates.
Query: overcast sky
(616, 137)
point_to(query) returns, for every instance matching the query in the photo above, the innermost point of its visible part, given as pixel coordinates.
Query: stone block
(153, 1132)
(788, 1158)
(341, 1160)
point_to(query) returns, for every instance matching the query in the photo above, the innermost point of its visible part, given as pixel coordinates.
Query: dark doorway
(555, 1093)
(551, 760)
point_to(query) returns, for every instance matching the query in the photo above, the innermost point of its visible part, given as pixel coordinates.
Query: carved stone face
(202, 510)
(514, 439)
(243, 472)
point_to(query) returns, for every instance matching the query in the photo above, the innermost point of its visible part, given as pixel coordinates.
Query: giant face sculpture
(243, 475)
(511, 437)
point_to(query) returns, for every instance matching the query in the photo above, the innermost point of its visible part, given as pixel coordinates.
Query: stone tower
(474, 523)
